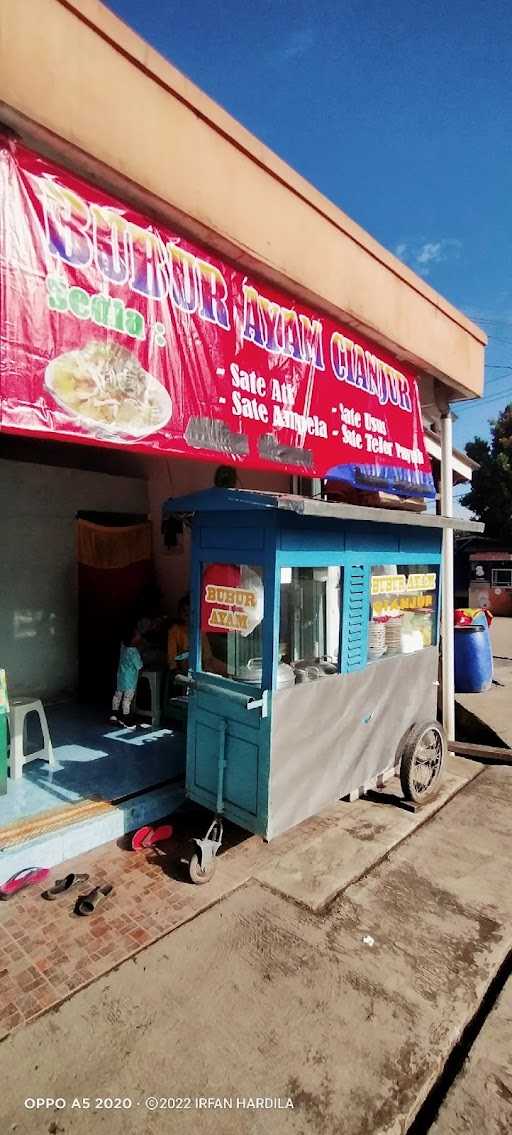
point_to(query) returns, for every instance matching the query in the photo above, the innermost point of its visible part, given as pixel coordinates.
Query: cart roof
(242, 500)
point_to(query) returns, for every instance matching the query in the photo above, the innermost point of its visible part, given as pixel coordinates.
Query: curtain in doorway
(114, 569)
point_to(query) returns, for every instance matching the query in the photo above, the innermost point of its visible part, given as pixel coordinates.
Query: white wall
(38, 581)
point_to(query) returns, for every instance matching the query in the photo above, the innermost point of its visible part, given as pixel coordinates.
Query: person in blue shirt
(130, 663)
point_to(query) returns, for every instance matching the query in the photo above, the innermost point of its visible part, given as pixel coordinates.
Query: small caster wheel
(200, 874)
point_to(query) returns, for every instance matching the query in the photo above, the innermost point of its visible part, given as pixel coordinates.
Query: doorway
(114, 569)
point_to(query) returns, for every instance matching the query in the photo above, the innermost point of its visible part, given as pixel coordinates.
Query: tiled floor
(94, 759)
(48, 952)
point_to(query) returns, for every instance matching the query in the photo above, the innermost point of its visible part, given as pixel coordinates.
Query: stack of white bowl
(376, 639)
(394, 636)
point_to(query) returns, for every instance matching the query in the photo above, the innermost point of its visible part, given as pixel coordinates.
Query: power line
(483, 401)
(504, 394)
(499, 322)
(499, 378)
(507, 321)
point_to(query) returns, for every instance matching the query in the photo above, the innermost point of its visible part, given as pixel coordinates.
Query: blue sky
(400, 112)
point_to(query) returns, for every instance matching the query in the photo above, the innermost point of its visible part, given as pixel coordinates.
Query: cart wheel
(199, 874)
(422, 761)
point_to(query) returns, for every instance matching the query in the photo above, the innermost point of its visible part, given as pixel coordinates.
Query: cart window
(232, 621)
(403, 609)
(309, 628)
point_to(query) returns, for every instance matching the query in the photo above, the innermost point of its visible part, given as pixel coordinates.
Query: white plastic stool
(19, 711)
(154, 680)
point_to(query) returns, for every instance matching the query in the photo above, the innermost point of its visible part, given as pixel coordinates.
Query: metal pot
(254, 670)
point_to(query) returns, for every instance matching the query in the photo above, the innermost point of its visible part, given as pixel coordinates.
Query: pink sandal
(27, 877)
(147, 836)
(139, 836)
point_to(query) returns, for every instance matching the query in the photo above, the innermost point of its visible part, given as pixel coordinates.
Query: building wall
(484, 590)
(38, 579)
(175, 478)
(103, 101)
(497, 600)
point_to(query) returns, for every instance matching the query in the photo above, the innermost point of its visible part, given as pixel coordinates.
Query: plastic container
(473, 658)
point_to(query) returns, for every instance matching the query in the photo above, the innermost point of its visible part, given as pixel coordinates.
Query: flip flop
(62, 886)
(86, 904)
(147, 836)
(27, 877)
(157, 835)
(140, 835)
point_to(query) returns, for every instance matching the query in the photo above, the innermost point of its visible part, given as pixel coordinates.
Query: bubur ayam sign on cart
(116, 330)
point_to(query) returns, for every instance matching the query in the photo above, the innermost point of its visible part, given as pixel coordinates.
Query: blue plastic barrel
(473, 658)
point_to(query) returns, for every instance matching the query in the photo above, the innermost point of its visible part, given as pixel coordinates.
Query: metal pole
(447, 578)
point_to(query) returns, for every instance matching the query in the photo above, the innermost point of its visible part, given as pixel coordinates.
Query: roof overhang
(463, 466)
(276, 224)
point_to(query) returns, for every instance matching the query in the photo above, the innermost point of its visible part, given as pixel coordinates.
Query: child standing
(130, 662)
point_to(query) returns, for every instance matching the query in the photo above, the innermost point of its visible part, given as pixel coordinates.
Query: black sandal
(86, 904)
(62, 886)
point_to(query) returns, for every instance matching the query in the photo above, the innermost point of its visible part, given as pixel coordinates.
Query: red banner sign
(117, 330)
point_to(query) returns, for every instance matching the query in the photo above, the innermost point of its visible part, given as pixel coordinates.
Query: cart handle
(244, 700)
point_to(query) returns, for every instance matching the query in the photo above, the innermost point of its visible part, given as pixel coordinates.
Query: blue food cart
(313, 657)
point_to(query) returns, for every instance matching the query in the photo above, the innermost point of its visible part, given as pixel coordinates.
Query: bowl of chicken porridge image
(104, 387)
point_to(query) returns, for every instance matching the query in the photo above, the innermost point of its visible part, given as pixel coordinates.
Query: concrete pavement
(351, 1014)
(480, 1099)
(348, 840)
(501, 637)
(487, 717)
(46, 953)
